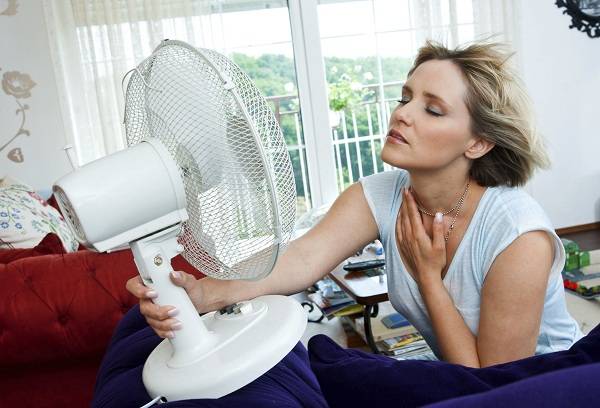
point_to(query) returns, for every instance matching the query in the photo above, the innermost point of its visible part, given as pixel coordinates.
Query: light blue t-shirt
(502, 215)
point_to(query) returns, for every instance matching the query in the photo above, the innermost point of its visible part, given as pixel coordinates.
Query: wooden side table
(368, 291)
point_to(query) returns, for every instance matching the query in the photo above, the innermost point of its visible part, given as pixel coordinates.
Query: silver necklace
(457, 208)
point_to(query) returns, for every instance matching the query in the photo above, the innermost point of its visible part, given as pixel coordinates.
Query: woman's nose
(402, 114)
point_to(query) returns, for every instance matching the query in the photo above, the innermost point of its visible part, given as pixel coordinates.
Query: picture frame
(585, 15)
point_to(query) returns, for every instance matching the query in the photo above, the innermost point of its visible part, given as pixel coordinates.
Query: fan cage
(221, 132)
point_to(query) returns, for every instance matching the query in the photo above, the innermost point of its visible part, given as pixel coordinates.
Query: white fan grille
(238, 177)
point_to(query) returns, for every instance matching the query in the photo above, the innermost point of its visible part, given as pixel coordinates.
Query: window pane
(391, 15)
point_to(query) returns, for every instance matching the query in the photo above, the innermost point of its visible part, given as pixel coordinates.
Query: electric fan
(202, 142)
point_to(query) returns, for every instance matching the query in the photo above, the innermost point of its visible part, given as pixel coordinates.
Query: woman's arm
(512, 301)
(347, 227)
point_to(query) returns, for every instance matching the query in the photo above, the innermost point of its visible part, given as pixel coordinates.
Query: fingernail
(176, 326)
(170, 335)
(176, 275)
(173, 312)
(151, 294)
(439, 217)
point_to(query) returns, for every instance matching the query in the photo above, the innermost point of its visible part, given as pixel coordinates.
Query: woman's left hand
(425, 257)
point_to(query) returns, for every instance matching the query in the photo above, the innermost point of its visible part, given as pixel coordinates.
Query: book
(400, 341)
(349, 310)
(380, 332)
(329, 306)
(409, 350)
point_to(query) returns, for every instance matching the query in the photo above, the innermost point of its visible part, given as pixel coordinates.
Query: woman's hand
(425, 257)
(163, 319)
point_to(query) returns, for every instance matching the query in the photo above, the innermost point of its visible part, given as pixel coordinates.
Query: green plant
(346, 93)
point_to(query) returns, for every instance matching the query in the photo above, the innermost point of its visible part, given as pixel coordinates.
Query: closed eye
(432, 112)
(428, 110)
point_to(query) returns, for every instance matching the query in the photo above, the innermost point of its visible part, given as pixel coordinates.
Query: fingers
(414, 216)
(407, 232)
(399, 233)
(160, 318)
(165, 328)
(185, 280)
(138, 289)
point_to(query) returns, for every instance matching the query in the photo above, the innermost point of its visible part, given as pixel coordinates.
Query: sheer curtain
(94, 43)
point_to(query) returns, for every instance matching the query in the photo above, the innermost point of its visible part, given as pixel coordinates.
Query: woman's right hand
(163, 319)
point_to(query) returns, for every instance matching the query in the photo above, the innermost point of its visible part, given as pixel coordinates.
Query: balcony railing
(358, 135)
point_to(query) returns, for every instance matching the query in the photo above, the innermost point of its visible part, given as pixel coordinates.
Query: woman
(472, 261)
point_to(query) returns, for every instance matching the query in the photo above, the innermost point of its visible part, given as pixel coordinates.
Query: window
(331, 69)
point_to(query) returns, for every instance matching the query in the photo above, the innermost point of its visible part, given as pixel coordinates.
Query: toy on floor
(581, 273)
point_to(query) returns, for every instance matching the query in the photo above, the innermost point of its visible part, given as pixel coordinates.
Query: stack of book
(404, 347)
(394, 335)
(332, 300)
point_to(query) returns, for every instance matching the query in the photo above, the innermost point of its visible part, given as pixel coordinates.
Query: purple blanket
(338, 377)
(290, 383)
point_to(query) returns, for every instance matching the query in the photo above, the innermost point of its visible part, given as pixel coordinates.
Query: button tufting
(63, 319)
(28, 280)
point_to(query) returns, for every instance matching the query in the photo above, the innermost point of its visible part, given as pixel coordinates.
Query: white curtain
(440, 20)
(94, 43)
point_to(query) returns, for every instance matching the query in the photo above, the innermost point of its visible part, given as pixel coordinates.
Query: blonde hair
(500, 112)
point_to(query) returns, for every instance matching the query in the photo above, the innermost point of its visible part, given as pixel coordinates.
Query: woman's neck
(437, 192)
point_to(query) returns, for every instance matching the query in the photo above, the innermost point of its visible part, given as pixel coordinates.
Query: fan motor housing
(123, 197)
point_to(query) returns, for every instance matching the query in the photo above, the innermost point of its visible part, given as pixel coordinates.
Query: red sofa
(57, 314)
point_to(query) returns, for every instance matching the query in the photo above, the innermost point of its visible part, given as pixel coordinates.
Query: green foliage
(352, 81)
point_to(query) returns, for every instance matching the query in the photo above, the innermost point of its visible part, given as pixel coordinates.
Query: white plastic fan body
(206, 175)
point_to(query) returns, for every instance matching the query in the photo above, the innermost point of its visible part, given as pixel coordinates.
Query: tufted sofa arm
(64, 306)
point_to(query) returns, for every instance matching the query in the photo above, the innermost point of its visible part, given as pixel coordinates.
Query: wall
(35, 156)
(561, 69)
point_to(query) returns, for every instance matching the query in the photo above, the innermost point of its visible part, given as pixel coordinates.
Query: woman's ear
(478, 147)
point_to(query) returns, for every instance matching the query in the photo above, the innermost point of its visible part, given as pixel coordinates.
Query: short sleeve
(382, 192)
(516, 213)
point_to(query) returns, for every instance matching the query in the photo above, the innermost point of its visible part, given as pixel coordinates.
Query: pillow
(377, 380)
(51, 244)
(25, 218)
(119, 382)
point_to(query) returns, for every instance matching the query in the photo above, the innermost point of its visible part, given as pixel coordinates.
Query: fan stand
(220, 352)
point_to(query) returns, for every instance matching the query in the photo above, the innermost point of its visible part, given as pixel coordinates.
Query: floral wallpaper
(17, 86)
(8, 7)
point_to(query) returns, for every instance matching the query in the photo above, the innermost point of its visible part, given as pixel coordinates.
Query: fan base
(249, 345)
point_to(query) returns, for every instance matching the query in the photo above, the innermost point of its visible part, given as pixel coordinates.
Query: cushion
(376, 380)
(51, 244)
(119, 383)
(25, 219)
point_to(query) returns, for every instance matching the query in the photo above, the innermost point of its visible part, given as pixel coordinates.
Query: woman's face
(431, 126)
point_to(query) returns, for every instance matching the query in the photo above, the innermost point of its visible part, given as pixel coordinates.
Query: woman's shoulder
(386, 178)
(509, 212)
(382, 192)
(384, 185)
(515, 204)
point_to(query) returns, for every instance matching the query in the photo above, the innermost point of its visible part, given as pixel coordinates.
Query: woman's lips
(395, 137)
